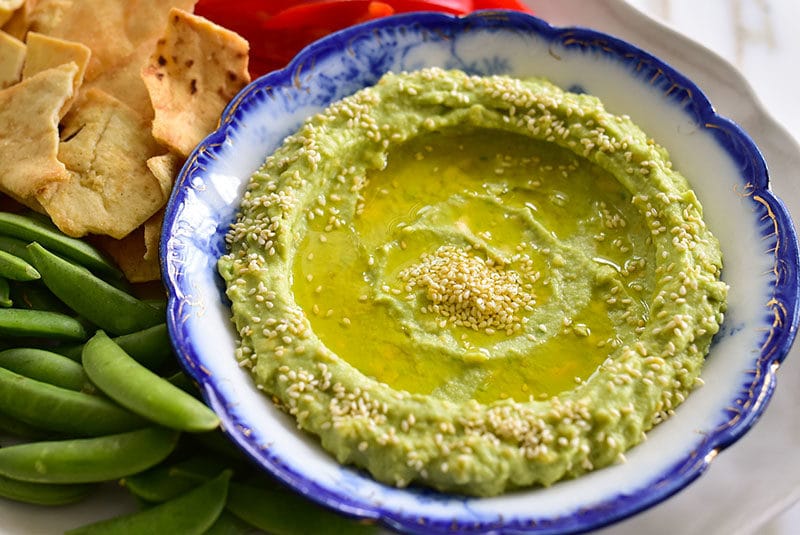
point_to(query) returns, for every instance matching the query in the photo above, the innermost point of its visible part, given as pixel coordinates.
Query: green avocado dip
(472, 283)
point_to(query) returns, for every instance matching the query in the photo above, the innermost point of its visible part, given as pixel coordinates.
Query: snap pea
(12, 426)
(29, 229)
(228, 524)
(219, 444)
(165, 482)
(34, 295)
(272, 508)
(90, 296)
(182, 381)
(88, 460)
(15, 268)
(15, 247)
(57, 409)
(149, 347)
(158, 304)
(41, 324)
(42, 493)
(284, 513)
(191, 513)
(5, 293)
(45, 366)
(141, 391)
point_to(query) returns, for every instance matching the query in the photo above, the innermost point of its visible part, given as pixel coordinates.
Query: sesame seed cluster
(467, 290)
(314, 186)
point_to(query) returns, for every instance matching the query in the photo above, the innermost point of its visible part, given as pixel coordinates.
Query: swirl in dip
(473, 283)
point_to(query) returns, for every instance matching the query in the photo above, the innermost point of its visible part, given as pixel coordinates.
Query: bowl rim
(729, 135)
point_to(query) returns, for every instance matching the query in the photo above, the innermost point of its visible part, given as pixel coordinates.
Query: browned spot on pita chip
(12, 57)
(197, 67)
(129, 254)
(105, 147)
(45, 52)
(29, 133)
(7, 9)
(166, 168)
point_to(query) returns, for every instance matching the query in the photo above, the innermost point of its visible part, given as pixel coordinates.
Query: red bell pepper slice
(278, 29)
(327, 14)
(516, 5)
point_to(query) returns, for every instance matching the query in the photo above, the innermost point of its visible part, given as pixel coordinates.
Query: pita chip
(12, 57)
(98, 24)
(166, 168)
(45, 52)
(14, 17)
(196, 69)
(152, 236)
(29, 113)
(130, 252)
(120, 33)
(105, 147)
(7, 9)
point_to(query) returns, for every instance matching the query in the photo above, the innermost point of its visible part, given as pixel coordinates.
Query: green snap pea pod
(191, 513)
(53, 408)
(90, 296)
(41, 324)
(30, 230)
(158, 304)
(219, 444)
(164, 482)
(15, 247)
(280, 512)
(12, 426)
(228, 524)
(276, 510)
(45, 366)
(5, 293)
(14, 268)
(149, 347)
(34, 295)
(42, 493)
(141, 391)
(182, 381)
(88, 460)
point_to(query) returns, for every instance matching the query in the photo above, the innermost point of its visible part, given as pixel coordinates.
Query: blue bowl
(724, 168)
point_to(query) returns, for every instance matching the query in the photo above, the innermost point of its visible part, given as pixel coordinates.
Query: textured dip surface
(473, 283)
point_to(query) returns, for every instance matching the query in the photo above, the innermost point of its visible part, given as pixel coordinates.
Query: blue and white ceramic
(723, 165)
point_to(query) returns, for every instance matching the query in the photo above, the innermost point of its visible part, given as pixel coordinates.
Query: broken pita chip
(129, 254)
(17, 24)
(152, 236)
(166, 168)
(12, 57)
(8, 8)
(105, 147)
(196, 69)
(29, 133)
(45, 52)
